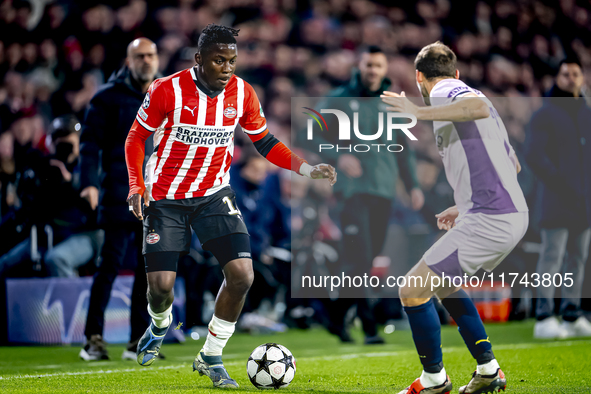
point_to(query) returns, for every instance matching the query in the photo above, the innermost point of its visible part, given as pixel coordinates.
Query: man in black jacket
(108, 119)
(367, 187)
(555, 151)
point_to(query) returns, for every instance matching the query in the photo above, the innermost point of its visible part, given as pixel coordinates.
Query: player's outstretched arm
(463, 109)
(254, 124)
(277, 153)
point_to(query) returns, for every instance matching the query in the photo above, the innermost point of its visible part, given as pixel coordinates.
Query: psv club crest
(230, 112)
(152, 238)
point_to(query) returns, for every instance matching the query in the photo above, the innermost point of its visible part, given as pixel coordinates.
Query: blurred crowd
(54, 55)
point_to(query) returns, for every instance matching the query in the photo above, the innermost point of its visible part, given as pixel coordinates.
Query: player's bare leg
(160, 298)
(160, 290)
(239, 276)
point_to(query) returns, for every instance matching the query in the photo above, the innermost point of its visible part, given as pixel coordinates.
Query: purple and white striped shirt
(477, 157)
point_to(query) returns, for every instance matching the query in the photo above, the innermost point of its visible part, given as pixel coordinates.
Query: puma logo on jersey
(190, 110)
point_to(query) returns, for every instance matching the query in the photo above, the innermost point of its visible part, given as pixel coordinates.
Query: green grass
(323, 365)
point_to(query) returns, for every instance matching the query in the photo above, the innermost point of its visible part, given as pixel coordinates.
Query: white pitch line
(51, 366)
(49, 375)
(530, 345)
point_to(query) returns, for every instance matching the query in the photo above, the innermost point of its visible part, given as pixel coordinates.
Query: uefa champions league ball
(271, 366)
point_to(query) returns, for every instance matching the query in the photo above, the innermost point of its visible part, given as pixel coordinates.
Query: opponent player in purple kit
(489, 219)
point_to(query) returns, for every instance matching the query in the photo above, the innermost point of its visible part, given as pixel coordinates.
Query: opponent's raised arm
(465, 108)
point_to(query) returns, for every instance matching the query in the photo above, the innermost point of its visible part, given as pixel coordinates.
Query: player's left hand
(399, 103)
(446, 220)
(320, 171)
(135, 203)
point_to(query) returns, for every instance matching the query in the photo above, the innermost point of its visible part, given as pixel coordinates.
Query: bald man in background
(104, 185)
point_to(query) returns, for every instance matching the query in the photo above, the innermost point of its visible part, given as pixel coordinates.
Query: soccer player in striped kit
(490, 217)
(193, 114)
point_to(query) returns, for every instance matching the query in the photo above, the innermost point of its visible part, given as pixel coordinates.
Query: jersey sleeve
(253, 121)
(153, 110)
(135, 150)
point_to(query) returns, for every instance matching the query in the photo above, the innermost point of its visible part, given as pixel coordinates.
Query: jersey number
(228, 202)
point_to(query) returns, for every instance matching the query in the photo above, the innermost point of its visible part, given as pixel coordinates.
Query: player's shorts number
(228, 202)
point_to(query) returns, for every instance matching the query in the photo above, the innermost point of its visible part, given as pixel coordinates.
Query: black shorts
(168, 223)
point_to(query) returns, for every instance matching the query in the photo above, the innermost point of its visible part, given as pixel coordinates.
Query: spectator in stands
(557, 144)
(367, 187)
(105, 186)
(247, 180)
(290, 228)
(7, 174)
(62, 232)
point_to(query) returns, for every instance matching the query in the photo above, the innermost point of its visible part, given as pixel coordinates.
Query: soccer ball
(271, 366)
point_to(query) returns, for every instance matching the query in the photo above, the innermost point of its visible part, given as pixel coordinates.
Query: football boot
(481, 384)
(416, 387)
(213, 368)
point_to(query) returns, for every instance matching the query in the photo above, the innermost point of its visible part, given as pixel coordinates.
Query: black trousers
(117, 242)
(364, 223)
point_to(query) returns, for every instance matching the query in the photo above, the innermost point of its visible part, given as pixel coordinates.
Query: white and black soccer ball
(271, 366)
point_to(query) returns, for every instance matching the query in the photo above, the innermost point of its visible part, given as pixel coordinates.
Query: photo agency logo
(394, 121)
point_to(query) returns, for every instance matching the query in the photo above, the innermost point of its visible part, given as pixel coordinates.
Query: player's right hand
(135, 204)
(324, 171)
(446, 220)
(90, 194)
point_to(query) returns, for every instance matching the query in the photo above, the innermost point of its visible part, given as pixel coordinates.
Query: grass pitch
(323, 365)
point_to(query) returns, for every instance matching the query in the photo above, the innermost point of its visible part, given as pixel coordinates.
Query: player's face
(218, 65)
(143, 62)
(570, 78)
(373, 68)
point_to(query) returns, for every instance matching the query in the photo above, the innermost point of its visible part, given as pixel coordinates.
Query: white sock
(217, 337)
(433, 379)
(161, 319)
(490, 368)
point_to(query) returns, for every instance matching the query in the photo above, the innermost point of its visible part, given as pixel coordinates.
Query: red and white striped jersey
(194, 140)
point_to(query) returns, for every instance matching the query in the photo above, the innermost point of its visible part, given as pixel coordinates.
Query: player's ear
(198, 58)
(457, 74)
(420, 77)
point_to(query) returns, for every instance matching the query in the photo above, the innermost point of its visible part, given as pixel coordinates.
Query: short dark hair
(436, 60)
(571, 59)
(215, 34)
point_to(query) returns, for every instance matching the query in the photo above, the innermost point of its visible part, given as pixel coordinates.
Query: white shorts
(477, 241)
